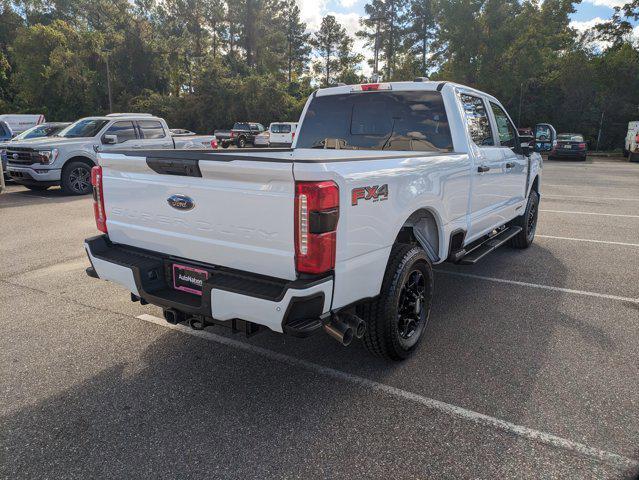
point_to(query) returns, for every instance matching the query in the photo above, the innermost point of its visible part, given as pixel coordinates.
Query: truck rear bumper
(226, 294)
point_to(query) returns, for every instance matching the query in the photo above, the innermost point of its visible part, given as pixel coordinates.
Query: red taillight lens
(213, 143)
(98, 199)
(370, 87)
(582, 146)
(232, 134)
(293, 135)
(316, 216)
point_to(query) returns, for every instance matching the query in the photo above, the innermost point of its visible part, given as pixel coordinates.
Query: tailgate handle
(184, 167)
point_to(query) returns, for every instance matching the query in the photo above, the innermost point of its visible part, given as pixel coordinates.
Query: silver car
(263, 139)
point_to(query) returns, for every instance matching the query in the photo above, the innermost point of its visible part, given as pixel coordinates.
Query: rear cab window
(477, 120)
(389, 120)
(151, 129)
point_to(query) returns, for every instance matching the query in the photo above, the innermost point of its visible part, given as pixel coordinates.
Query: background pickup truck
(338, 233)
(242, 134)
(66, 159)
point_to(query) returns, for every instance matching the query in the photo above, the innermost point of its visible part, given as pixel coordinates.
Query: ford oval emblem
(181, 202)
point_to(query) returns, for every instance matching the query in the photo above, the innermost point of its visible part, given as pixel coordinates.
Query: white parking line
(543, 287)
(545, 195)
(590, 213)
(590, 240)
(575, 185)
(442, 407)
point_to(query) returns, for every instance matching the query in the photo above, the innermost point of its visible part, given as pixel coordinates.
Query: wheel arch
(422, 227)
(535, 184)
(79, 158)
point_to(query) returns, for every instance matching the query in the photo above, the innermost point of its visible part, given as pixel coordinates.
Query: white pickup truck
(338, 233)
(66, 158)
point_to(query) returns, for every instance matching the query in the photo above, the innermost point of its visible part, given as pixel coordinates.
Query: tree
(619, 28)
(327, 41)
(297, 40)
(420, 32)
(215, 12)
(348, 62)
(60, 60)
(385, 28)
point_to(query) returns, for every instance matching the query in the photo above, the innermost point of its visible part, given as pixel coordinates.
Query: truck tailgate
(237, 214)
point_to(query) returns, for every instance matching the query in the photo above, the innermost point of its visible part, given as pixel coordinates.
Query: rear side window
(124, 131)
(280, 128)
(505, 129)
(477, 120)
(4, 131)
(151, 129)
(399, 121)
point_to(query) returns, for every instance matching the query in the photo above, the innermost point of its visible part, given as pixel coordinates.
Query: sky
(348, 13)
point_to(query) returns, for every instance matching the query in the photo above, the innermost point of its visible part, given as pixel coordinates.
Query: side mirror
(545, 137)
(527, 144)
(110, 139)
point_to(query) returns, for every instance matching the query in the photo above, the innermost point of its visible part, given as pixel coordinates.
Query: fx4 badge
(376, 193)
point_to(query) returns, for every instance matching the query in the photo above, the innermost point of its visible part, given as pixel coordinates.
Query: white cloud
(347, 3)
(311, 12)
(607, 3)
(584, 25)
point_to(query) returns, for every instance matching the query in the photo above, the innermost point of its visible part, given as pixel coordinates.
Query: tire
(633, 157)
(527, 222)
(241, 142)
(76, 178)
(387, 334)
(37, 188)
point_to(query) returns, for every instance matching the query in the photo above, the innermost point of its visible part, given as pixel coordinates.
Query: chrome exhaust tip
(356, 323)
(339, 330)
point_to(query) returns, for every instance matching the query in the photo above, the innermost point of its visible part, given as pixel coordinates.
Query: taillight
(316, 216)
(582, 146)
(98, 199)
(214, 143)
(293, 136)
(232, 134)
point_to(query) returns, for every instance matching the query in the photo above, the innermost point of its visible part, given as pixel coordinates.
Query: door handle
(483, 168)
(510, 164)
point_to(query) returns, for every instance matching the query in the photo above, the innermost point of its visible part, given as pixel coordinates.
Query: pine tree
(327, 41)
(385, 29)
(421, 31)
(297, 40)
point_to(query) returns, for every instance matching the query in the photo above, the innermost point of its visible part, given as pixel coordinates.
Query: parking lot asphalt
(529, 368)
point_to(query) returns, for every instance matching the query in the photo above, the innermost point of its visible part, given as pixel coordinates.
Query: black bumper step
(303, 327)
(477, 252)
